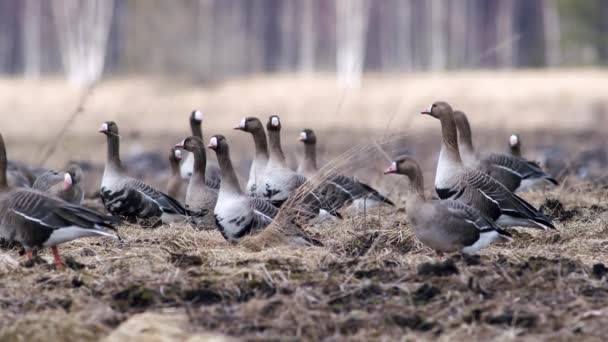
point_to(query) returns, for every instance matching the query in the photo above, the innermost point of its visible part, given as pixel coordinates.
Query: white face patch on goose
(213, 142)
(67, 181)
(198, 115)
(513, 140)
(177, 154)
(104, 127)
(430, 109)
(274, 121)
(243, 123)
(303, 136)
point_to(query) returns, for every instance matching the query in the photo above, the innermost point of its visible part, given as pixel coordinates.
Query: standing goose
(200, 198)
(279, 180)
(213, 173)
(65, 185)
(445, 226)
(456, 182)
(255, 184)
(236, 214)
(131, 198)
(38, 220)
(176, 186)
(351, 189)
(515, 145)
(513, 172)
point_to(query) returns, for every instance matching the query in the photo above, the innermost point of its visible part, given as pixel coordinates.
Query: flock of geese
(475, 194)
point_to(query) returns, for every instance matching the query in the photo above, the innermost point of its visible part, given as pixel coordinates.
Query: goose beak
(428, 110)
(212, 143)
(302, 136)
(241, 126)
(180, 145)
(67, 181)
(103, 128)
(391, 169)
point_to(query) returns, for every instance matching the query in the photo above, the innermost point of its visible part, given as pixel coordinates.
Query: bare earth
(372, 280)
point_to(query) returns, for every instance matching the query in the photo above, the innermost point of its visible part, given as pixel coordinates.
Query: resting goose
(38, 220)
(352, 189)
(128, 197)
(279, 180)
(255, 184)
(65, 185)
(236, 214)
(456, 182)
(445, 226)
(513, 172)
(187, 167)
(515, 145)
(200, 198)
(176, 186)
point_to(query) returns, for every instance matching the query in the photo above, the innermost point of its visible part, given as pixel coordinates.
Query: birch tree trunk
(457, 41)
(438, 35)
(306, 60)
(505, 34)
(30, 24)
(552, 33)
(351, 28)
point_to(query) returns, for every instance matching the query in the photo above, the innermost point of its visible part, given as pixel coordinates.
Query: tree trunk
(552, 33)
(505, 34)
(306, 59)
(438, 35)
(31, 45)
(351, 27)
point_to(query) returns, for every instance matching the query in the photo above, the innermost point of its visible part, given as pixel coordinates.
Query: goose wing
(525, 169)
(165, 203)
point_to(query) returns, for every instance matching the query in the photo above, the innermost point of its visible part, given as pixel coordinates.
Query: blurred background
(354, 70)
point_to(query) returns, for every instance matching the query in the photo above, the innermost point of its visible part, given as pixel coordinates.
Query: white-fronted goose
(200, 198)
(515, 145)
(37, 220)
(352, 189)
(176, 186)
(236, 214)
(212, 174)
(279, 180)
(445, 226)
(255, 183)
(455, 181)
(65, 185)
(513, 172)
(128, 197)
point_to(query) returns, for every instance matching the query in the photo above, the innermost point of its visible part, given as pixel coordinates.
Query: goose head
(109, 128)
(249, 124)
(191, 144)
(438, 109)
(274, 123)
(196, 117)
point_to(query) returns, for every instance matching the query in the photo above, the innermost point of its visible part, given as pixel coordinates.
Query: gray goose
(37, 220)
(200, 198)
(279, 180)
(456, 182)
(444, 225)
(515, 145)
(213, 172)
(236, 214)
(255, 184)
(65, 185)
(176, 186)
(513, 172)
(128, 197)
(350, 189)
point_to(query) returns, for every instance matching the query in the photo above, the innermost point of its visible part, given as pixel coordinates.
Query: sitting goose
(131, 198)
(455, 181)
(65, 185)
(513, 172)
(200, 198)
(38, 220)
(176, 186)
(515, 145)
(255, 184)
(279, 180)
(213, 173)
(445, 226)
(236, 214)
(352, 189)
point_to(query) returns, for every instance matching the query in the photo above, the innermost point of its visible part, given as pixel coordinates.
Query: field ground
(372, 280)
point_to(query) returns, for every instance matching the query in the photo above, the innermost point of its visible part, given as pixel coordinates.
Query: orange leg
(58, 261)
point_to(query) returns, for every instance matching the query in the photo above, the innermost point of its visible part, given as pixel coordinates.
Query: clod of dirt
(598, 209)
(87, 252)
(555, 210)
(185, 260)
(599, 270)
(425, 293)
(594, 292)
(134, 297)
(202, 296)
(73, 264)
(441, 269)
(414, 322)
(36, 260)
(521, 319)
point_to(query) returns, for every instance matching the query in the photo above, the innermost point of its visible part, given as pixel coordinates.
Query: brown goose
(515, 145)
(128, 197)
(236, 214)
(349, 189)
(38, 220)
(213, 173)
(65, 185)
(456, 182)
(255, 184)
(279, 180)
(513, 172)
(176, 186)
(200, 198)
(445, 226)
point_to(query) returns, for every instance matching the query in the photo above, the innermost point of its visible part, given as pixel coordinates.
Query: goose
(128, 197)
(212, 175)
(279, 180)
(455, 181)
(352, 190)
(65, 185)
(513, 172)
(176, 186)
(37, 220)
(200, 198)
(253, 125)
(515, 145)
(236, 214)
(445, 226)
